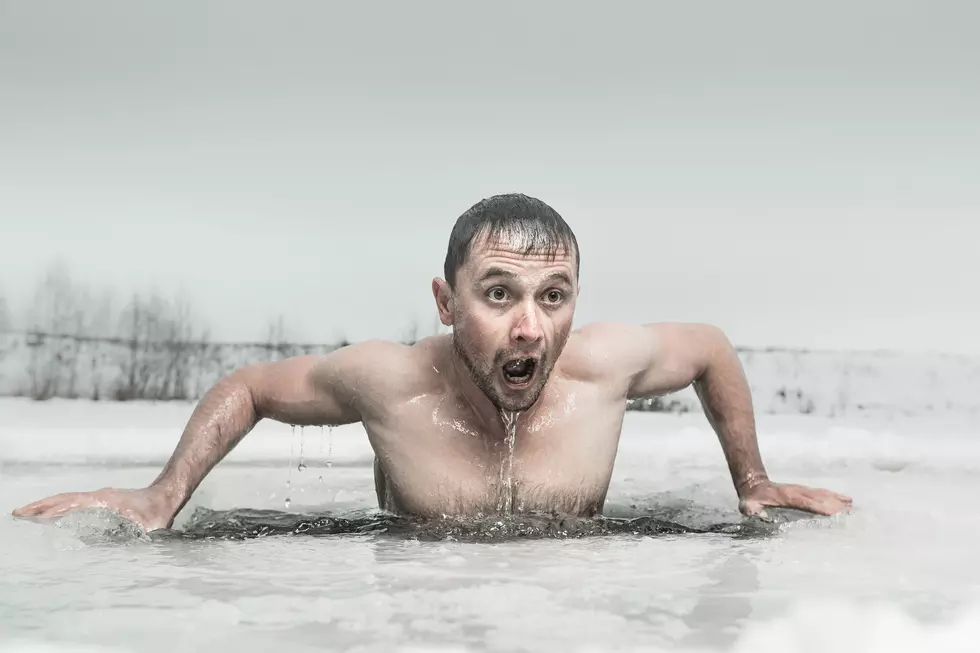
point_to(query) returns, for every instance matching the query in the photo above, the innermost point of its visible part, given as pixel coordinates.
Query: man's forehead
(488, 255)
(515, 246)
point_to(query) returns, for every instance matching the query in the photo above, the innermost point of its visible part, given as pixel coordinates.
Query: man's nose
(528, 325)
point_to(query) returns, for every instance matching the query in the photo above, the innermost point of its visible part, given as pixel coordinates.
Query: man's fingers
(55, 505)
(753, 508)
(36, 508)
(801, 497)
(826, 503)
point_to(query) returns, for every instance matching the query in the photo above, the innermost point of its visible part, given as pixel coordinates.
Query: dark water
(241, 524)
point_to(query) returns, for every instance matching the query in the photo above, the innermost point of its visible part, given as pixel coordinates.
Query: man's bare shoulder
(385, 362)
(605, 351)
(644, 358)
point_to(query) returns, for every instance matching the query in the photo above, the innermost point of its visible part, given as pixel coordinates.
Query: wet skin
(436, 412)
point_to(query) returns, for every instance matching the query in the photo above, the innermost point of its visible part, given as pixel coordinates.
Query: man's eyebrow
(560, 276)
(492, 273)
(497, 272)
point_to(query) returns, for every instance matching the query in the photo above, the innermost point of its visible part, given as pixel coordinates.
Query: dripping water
(289, 469)
(320, 477)
(509, 419)
(302, 465)
(328, 462)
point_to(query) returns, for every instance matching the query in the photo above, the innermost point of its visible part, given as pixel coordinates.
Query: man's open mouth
(519, 371)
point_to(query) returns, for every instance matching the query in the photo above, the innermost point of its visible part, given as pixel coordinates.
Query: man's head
(511, 281)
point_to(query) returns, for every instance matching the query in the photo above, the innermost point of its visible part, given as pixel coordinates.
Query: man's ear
(443, 295)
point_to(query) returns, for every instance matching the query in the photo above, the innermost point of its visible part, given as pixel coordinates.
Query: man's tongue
(520, 369)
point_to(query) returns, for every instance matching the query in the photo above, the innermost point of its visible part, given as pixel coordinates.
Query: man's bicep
(311, 390)
(670, 356)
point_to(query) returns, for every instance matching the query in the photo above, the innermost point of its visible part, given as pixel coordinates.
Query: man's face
(511, 315)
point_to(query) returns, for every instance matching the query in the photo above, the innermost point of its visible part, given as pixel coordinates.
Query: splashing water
(240, 524)
(506, 504)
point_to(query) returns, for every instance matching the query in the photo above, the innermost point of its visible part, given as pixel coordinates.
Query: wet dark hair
(525, 219)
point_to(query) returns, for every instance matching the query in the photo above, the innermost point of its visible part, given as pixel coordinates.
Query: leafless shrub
(58, 310)
(657, 405)
(163, 349)
(6, 344)
(275, 340)
(5, 321)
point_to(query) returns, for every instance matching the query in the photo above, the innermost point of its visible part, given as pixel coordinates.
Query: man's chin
(517, 399)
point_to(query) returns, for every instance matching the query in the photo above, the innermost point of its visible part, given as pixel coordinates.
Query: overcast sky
(802, 174)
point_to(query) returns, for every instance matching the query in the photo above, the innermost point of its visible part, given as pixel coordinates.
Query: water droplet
(289, 467)
(301, 443)
(289, 483)
(320, 478)
(301, 467)
(329, 463)
(288, 502)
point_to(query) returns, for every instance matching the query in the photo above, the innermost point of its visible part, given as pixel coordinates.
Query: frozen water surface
(673, 568)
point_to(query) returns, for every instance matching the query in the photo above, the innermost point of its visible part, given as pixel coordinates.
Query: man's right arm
(305, 390)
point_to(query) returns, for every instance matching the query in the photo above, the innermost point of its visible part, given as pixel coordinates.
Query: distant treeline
(44, 365)
(74, 343)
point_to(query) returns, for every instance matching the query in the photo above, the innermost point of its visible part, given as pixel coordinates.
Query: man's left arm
(672, 356)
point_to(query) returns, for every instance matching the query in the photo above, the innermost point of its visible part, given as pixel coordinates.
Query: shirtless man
(436, 412)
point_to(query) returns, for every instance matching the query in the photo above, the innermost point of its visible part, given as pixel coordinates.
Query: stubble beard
(483, 377)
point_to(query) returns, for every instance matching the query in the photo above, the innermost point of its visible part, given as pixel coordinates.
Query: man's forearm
(221, 419)
(727, 402)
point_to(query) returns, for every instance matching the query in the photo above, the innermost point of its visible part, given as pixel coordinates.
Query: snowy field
(899, 574)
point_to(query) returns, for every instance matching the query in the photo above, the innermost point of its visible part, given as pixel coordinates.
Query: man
(437, 412)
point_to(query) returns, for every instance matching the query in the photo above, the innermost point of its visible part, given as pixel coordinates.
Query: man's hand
(767, 494)
(149, 507)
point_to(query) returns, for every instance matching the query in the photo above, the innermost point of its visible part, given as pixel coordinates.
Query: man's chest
(437, 460)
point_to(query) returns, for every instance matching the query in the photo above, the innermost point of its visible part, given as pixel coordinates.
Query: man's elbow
(244, 383)
(712, 346)
(716, 338)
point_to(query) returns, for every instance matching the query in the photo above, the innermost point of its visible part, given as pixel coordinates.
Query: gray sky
(804, 175)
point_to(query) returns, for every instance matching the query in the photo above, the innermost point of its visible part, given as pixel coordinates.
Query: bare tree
(180, 345)
(411, 333)
(163, 348)
(275, 338)
(55, 321)
(5, 324)
(5, 321)
(99, 352)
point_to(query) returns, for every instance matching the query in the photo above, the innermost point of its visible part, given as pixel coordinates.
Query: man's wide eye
(497, 294)
(554, 296)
